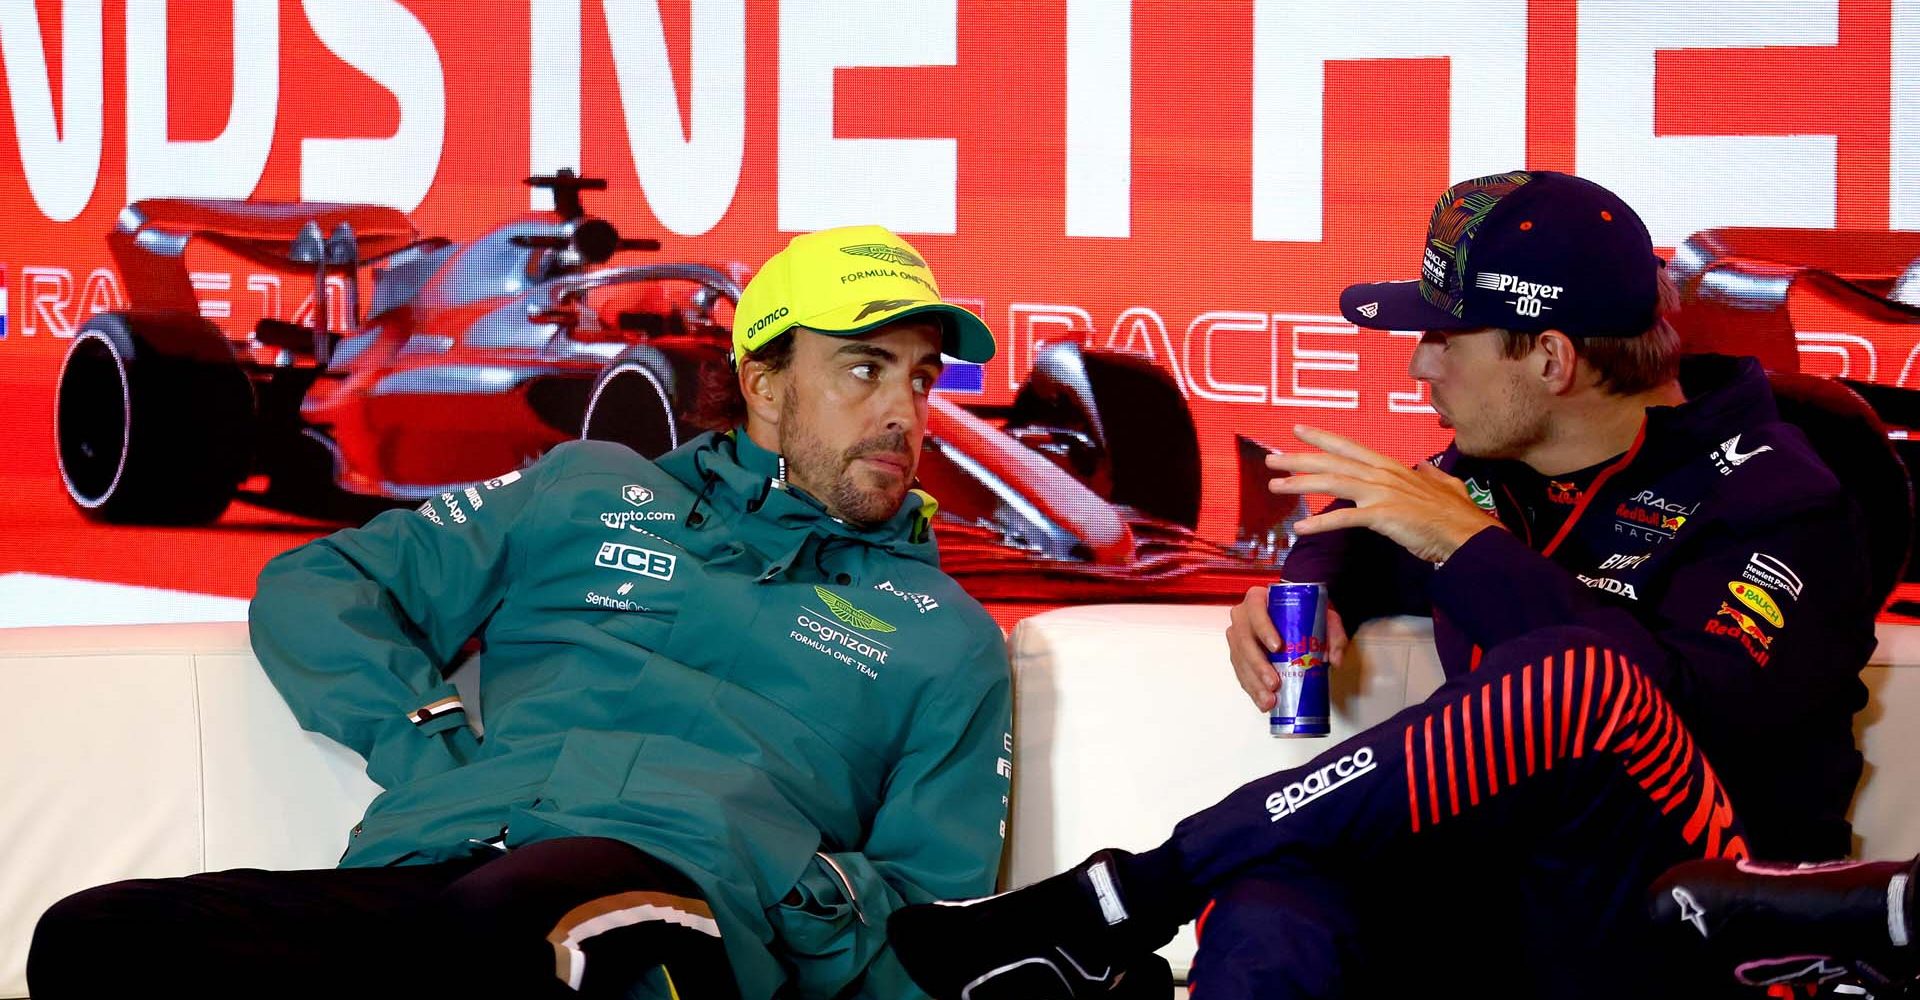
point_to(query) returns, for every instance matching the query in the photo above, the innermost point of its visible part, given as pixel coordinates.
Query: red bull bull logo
(1744, 629)
(1746, 623)
(1300, 663)
(1673, 523)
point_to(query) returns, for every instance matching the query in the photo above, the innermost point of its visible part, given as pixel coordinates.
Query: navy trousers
(1501, 833)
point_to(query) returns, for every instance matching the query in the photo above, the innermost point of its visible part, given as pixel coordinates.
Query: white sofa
(136, 751)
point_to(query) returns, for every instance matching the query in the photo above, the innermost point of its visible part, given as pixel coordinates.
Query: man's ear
(763, 388)
(1558, 361)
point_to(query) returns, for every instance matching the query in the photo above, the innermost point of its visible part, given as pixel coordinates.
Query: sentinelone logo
(1290, 799)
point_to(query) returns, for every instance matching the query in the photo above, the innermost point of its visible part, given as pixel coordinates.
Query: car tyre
(1145, 449)
(632, 404)
(151, 436)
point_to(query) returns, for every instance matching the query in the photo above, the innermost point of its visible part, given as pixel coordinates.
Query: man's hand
(1252, 635)
(1422, 509)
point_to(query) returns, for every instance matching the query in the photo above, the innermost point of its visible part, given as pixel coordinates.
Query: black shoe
(1066, 937)
(1774, 924)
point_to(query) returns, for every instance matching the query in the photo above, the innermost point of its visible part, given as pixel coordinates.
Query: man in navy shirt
(1633, 567)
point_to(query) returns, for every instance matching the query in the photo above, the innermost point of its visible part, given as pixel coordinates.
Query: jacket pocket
(823, 929)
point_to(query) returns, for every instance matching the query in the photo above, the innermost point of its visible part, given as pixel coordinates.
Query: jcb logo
(634, 559)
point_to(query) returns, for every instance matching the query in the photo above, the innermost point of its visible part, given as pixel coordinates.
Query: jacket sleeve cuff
(1494, 588)
(439, 710)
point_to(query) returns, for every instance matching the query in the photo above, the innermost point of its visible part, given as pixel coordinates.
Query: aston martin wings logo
(887, 252)
(849, 615)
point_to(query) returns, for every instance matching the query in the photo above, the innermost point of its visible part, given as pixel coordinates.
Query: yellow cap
(844, 282)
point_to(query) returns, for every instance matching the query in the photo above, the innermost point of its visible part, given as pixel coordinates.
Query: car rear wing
(1859, 256)
(150, 239)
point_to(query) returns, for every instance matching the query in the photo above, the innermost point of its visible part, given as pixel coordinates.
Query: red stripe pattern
(1605, 705)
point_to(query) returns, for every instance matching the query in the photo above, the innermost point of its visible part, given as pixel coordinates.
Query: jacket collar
(1725, 396)
(742, 479)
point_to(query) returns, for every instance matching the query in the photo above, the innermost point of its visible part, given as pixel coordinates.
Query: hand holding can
(1299, 614)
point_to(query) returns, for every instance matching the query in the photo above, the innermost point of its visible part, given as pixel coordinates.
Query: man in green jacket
(735, 715)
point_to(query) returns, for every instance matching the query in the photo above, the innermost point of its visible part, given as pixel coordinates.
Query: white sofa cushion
(150, 751)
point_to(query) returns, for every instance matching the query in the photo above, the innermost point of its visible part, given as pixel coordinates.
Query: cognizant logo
(1288, 800)
(833, 633)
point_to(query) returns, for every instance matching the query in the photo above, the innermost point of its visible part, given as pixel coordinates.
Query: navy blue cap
(1529, 251)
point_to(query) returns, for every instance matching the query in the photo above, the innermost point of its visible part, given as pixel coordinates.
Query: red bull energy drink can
(1299, 613)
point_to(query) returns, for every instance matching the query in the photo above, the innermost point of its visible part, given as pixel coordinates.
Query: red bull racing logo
(1744, 629)
(1651, 517)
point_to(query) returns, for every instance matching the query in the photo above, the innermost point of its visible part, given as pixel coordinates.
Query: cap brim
(1396, 305)
(967, 336)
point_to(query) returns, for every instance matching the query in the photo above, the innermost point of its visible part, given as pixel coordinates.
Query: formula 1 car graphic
(1831, 303)
(1827, 301)
(473, 358)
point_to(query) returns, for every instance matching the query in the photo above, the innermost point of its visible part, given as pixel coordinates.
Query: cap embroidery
(882, 251)
(883, 305)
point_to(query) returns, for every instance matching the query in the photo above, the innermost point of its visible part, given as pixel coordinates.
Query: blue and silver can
(1299, 613)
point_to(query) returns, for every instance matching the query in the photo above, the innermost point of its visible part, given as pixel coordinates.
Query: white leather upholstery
(134, 751)
(158, 750)
(1127, 718)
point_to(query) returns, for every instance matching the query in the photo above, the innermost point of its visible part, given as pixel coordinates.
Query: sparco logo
(634, 559)
(1290, 799)
(882, 251)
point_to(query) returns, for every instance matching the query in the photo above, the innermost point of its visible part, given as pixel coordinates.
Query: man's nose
(901, 405)
(1425, 363)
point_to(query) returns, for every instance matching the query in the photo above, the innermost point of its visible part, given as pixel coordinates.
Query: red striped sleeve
(1506, 713)
(1413, 786)
(1586, 704)
(1433, 781)
(1546, 714)
(1486, 730)
(1526, 711)
(1466, 730)
(1453, 787)
(1566, 702)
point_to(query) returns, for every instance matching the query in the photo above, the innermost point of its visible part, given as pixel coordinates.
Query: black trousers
(573, 917)
(1504, 831)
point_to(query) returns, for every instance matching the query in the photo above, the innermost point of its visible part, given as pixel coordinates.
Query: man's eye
(923, 384)
(864, 372)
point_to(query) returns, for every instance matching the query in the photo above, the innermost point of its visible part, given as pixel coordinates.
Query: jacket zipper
(845, 883)
(1593, 489)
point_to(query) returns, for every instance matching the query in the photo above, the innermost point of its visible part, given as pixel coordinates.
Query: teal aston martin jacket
(808, 719)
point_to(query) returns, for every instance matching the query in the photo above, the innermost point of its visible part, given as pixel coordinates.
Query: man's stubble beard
(828, 477)
(1507, 431)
